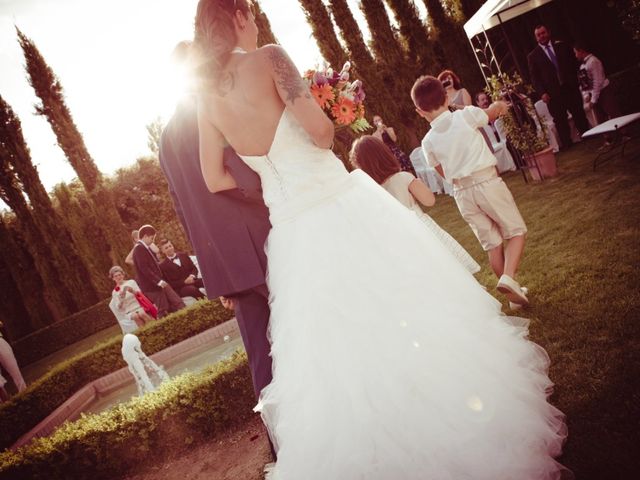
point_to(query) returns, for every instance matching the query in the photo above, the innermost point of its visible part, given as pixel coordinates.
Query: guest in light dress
(373, 157)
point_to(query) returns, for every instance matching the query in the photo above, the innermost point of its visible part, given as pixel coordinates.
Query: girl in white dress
(390, 361)
(374, 158)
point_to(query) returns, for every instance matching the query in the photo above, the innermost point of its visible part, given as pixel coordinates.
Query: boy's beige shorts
(487, 205)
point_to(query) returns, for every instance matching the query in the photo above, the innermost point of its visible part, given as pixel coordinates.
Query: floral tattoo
(288, 78)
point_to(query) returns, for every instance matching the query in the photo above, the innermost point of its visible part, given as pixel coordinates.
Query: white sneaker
(512, 290)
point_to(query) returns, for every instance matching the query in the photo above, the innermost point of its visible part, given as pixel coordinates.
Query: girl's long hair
(371, 155)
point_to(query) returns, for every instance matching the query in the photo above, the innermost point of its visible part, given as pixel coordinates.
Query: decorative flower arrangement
(340, 99)
(522, 126)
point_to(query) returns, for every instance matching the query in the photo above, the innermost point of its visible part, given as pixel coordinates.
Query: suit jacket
(544, 77)
(148, 272)
(175, 274)
(227, 229)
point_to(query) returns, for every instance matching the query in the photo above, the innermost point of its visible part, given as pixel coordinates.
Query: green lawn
(582, 267)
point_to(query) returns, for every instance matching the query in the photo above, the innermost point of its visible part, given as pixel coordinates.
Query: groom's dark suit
(227, 231)
(561, 84)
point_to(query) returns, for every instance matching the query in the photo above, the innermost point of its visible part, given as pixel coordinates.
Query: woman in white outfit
(390, 361)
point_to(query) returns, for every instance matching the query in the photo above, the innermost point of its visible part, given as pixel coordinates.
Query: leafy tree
(49, 90)
(154, 131)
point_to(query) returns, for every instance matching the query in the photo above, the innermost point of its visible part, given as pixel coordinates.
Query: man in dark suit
(180, 272)
(227, 230)
(149, 275)
(554, 74)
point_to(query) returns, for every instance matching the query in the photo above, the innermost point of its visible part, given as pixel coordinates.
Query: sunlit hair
(146, 230)
(456, 80)
(428, 94)
(215, 35)
(373, 157)
(135, 235)
(115, 269)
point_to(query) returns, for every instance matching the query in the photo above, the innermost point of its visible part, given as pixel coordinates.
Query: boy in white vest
(456, 149)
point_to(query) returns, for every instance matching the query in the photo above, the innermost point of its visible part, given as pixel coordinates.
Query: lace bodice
(296, 174)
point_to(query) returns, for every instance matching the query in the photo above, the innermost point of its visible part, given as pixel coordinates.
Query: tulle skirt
(390, 361)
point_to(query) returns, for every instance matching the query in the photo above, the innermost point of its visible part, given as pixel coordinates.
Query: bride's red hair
(215, 35)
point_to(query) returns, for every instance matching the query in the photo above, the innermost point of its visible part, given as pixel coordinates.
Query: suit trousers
(569, 99)
(252, 313)
(166, 300)
(192, 290)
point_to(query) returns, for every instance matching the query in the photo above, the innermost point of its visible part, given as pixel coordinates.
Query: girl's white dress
(398, 186)
(390, 361)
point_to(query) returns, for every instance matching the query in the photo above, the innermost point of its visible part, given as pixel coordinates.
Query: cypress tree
(49, 90)
(383, 39)
(81, 221)
(414, 32)
(324, 32)
(61, 298)
(398, 75)
(458, 55)
(469, 7)
(265, 34)
(63, 252)
(30, 311)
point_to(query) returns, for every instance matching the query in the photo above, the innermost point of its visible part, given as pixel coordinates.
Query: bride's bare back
(245, 108)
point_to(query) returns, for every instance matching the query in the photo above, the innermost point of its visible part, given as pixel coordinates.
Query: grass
(582, 268)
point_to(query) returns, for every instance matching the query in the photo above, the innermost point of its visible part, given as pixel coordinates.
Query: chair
(428, 174)
(547, 121)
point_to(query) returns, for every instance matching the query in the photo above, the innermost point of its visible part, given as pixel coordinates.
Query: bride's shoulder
(273, 55)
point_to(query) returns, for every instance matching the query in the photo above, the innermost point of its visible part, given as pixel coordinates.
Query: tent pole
(509, 46)
(475, 54)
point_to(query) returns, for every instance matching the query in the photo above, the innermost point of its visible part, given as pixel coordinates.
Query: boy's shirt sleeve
(475, 116)
(428, 153)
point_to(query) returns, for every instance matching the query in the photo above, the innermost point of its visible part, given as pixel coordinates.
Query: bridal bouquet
(341, 100)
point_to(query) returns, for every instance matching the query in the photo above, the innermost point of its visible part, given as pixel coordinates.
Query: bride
(390, 362)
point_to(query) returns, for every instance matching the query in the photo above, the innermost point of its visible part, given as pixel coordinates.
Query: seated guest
(10, 365)
(496, 138)
(180, 272)
(389, 137)
(125, 302)
(149, 275)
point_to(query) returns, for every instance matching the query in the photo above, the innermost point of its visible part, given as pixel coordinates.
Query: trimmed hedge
(25, 410)
(66, 332)
(142, 432)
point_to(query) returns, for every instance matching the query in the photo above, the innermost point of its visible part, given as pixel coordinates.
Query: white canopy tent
(495, 12)
(492, 14)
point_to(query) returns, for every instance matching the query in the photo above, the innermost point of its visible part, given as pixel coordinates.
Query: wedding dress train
(390, 361)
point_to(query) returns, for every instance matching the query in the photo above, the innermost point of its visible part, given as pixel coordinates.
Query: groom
(227, 230)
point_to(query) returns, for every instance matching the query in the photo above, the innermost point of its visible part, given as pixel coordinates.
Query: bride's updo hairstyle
(215, 36)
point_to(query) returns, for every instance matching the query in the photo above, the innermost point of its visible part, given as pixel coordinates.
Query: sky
(112, 59)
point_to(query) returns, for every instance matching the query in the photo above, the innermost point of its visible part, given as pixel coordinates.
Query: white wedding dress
(390, 361)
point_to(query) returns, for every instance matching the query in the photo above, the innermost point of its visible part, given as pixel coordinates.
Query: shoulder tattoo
(287, 74)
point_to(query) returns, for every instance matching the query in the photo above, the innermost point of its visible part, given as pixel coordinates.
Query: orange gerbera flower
(343, 111)
(323, 94)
